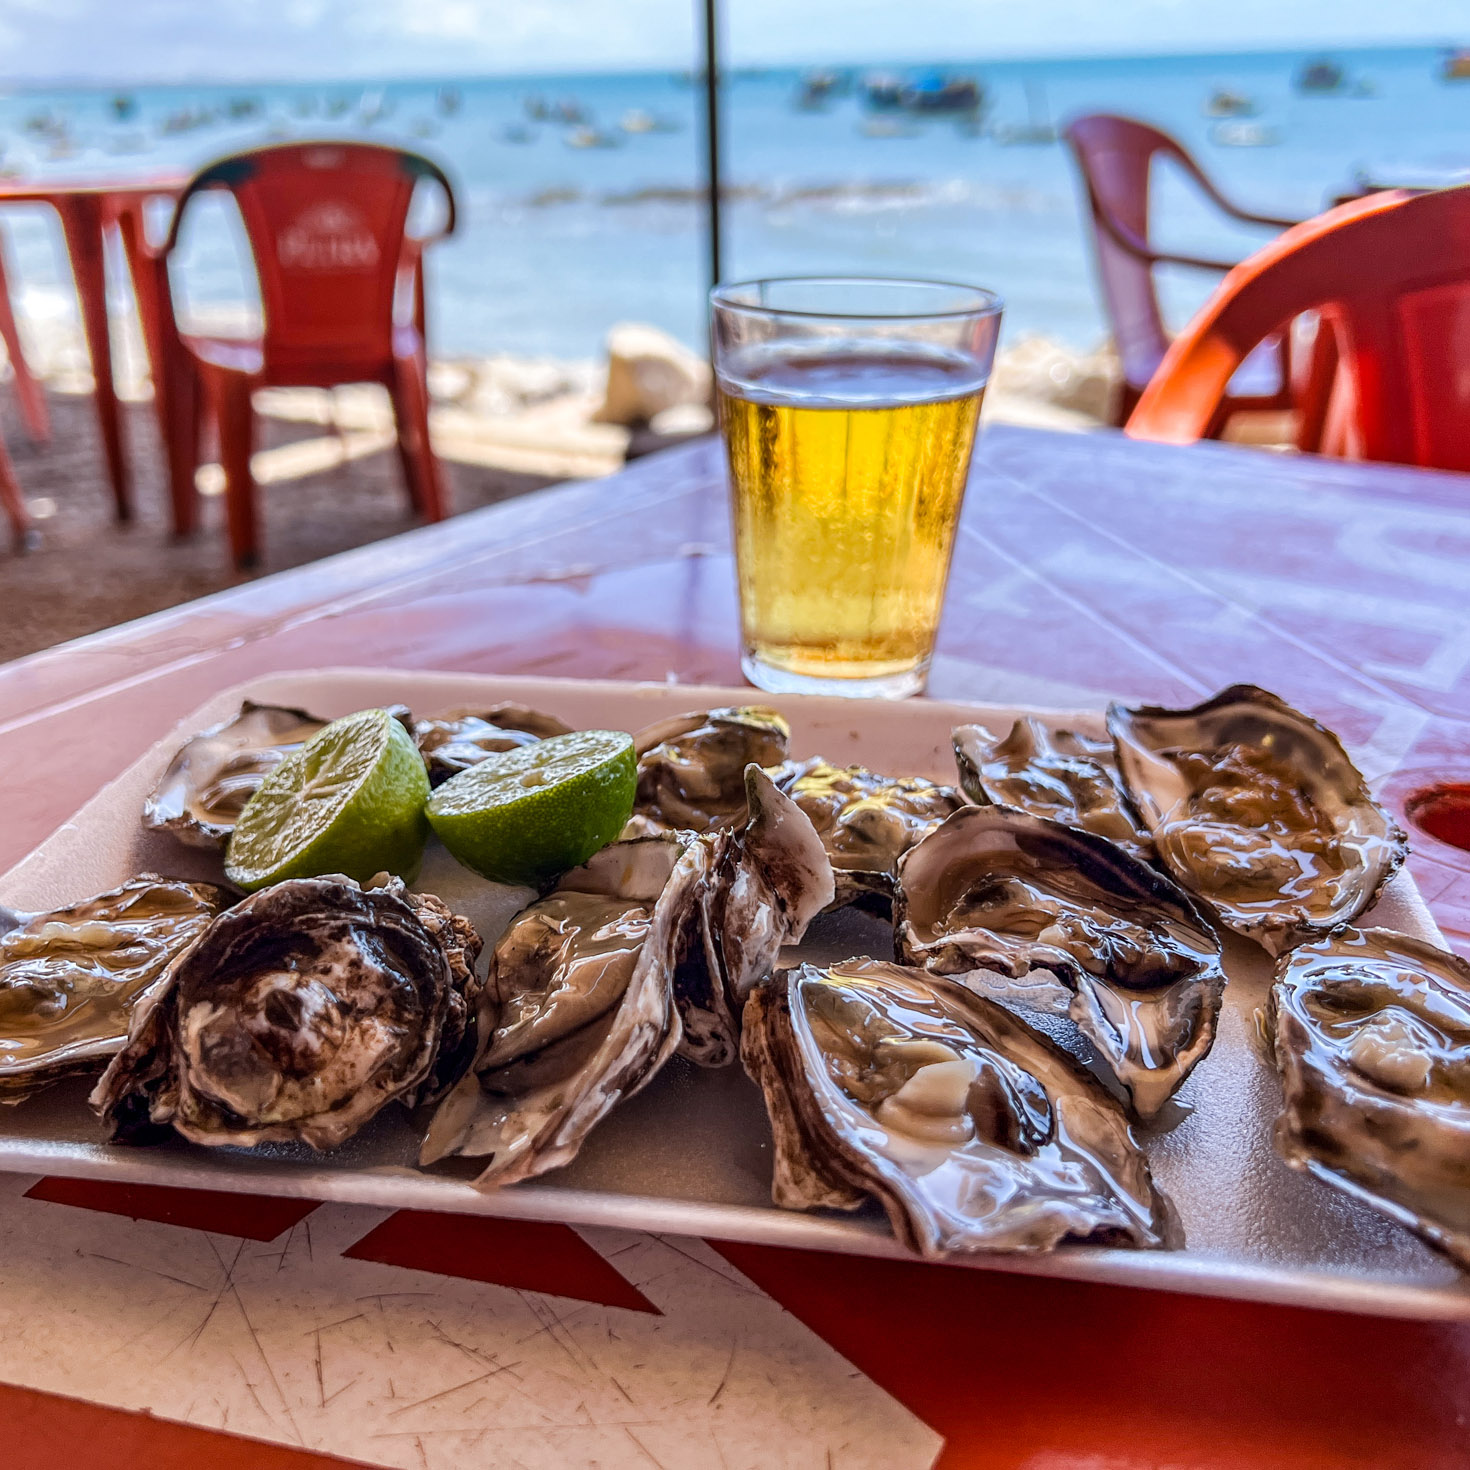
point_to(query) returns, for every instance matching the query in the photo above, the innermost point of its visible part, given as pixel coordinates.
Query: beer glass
(848, 407)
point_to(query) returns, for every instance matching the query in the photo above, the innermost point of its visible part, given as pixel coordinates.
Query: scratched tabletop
(178, 1328)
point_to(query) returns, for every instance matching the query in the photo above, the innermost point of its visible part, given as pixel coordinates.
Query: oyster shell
(208, 782)
(454, 742)
(69, 979)
(999, 890)
(1052, 773)
(866, 821)
(296, 1015)
(579, 1010)
(1257, 809)
(973, 1131)
(691, 767)
(766, 881)
(1371, 1035)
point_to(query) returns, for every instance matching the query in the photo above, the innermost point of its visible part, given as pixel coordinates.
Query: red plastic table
(88, 210)
(1086, 567)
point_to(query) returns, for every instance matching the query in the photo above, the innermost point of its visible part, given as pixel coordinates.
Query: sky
(184, 40)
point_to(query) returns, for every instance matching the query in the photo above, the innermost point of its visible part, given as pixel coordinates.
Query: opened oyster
(579, 1010)
(973, 1131)
(1052, 773)
(767, 880)
(1257, 809)
(993, 889)
(691, 768)
(69, 979)
(1371, 1035)
(866, 821)
(454, 742)
(208, 782)
(296, 1015)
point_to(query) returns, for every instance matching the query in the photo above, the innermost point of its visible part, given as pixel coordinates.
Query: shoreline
(541, 414)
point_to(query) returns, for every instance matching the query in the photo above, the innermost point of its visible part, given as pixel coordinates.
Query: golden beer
(848, 469)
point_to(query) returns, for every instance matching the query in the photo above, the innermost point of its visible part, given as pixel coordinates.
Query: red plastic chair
(1389, 277)
(1115, 156)
(327, 227)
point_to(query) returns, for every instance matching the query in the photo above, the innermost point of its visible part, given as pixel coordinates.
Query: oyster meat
(69, 979)
(766, 881)
(1371, 1035)
(578, 1012)
(1052, 773)
(1257, 809)
(691, 768)
(866, 821)
(454, 742)
(994, 890)
(974, 1132)
(207, 784)
(296, 1015)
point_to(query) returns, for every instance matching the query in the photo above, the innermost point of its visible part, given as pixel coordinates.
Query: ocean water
(557, 242)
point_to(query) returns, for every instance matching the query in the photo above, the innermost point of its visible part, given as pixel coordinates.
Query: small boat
(449, 100)
(936, 92)
(585, 136)
(883, 91)
(636, 120)
(1456, 65)
(1320, 78)
(517, 133)
(124, 106)
(337, 106)
(571, 112)
(816, 89)
(1241, 133)
(1223, 102)
(242, 109)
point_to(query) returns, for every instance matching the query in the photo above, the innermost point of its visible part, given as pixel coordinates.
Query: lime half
(351, 800)
(525, 815)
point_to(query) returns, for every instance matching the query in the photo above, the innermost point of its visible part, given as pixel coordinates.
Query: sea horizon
(11, 86)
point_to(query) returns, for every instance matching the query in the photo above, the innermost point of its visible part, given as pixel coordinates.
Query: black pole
(712, 132)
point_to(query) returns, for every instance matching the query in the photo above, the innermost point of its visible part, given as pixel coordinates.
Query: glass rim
(987, 303)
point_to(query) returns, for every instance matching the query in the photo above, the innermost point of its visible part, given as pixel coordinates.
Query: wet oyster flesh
(866, 821)
(1371, 1034)
(973, 1131)
(578, 1011)
(994, 890)
(296, 1015)
(69, 979)
(1052, 773)
(205, 788)
(1257, 809)
(766, 881)
(455, 741)
(691, 768)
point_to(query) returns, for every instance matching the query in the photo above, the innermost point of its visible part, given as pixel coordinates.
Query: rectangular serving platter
(691, 1153)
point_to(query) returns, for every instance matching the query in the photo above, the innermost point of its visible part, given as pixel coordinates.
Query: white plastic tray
(691, 1154)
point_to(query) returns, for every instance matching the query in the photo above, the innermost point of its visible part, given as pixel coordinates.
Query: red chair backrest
(1115, 156)
(326, 223)
(1391, 277)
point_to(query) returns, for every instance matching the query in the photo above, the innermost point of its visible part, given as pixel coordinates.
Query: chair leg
(421, 469)
(30, 393)
(11, 501)
(235, 420)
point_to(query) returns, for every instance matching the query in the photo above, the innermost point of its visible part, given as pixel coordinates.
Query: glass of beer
(849, 408)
